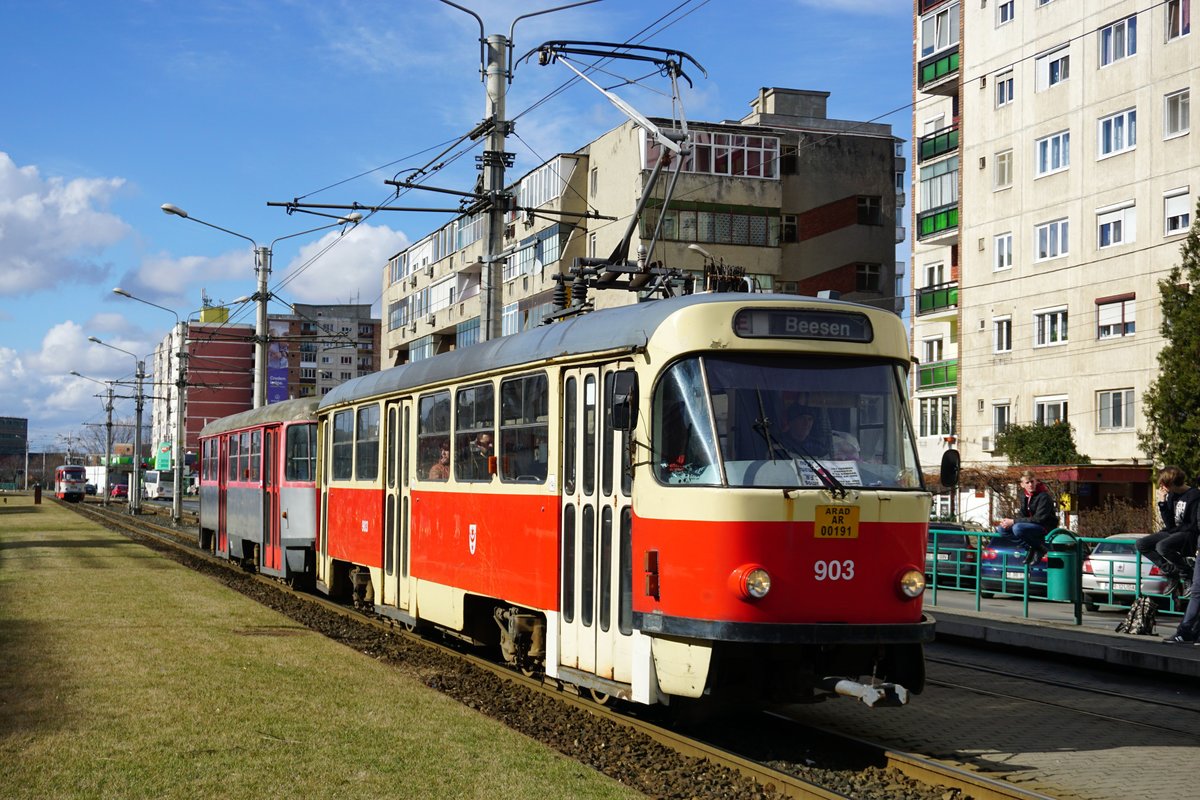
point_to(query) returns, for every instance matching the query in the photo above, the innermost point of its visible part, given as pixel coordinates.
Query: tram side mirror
(950, 468)
(622, 401)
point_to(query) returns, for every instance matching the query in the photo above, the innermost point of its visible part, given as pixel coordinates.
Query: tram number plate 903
(836, 522)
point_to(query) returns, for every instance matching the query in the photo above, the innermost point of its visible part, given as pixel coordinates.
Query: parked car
(1002, 568)
(119, 490)
(1110, 573)
(952, 549)
(89, 488)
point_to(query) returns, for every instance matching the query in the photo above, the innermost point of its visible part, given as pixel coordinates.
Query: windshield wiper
(827, 478)
(763, 425)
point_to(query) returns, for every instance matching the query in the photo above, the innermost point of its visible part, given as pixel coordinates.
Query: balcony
(937, 144)
(937, 224)
(938, 375)
(941, 297)
(938, 74)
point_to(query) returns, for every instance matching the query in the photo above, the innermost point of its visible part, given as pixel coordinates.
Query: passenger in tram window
(844, 447)
(1179, 508)
(440, 470)
(1037, 517)
(474, 460)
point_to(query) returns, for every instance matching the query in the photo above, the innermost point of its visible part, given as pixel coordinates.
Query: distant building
(309, 352)
(802, 202)
(14, 436)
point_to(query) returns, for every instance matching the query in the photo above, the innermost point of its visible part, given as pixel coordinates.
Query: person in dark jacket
(1178, 506)
(1038, 516)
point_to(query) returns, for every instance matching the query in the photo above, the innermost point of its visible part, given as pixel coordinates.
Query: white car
(1110, 573)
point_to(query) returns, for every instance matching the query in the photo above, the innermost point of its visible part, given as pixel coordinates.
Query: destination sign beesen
(793, 323)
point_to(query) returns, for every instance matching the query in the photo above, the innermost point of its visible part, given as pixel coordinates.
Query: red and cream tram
(707, 496)
(70, 482)
(258, 497)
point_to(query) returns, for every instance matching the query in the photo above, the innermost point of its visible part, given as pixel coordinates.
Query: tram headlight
(912, 583)
(751, 582)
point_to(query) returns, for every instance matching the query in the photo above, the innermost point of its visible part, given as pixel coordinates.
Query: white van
(159, 484)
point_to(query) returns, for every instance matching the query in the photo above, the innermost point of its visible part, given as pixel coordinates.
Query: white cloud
(53, 230)
(167, 281)
(341, 268)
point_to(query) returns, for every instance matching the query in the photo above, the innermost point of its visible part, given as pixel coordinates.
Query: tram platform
(1050, 628)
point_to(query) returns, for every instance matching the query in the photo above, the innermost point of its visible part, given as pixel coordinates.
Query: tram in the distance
(70, 482)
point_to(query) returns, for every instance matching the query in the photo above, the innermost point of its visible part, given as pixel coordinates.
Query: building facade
(1054, 180)
(801, 202)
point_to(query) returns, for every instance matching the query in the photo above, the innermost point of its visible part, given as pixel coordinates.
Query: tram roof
(285, 411)
(605, 330)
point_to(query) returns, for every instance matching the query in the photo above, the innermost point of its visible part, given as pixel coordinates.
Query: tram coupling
(882, 695)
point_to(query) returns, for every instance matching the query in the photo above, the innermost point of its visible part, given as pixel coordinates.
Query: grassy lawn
(125, 675)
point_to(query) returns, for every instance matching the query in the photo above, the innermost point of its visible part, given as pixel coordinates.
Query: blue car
(1002, 568)
(950, 556)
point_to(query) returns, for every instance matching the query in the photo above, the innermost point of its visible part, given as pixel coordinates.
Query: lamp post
(108, 407)
(135, 479)
(180, 389)
(262, 269)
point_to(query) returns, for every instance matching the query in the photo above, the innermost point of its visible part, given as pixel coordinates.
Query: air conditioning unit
(430, 319)
(986, 443)
(429, 271)
(412, 281)
(412, 327)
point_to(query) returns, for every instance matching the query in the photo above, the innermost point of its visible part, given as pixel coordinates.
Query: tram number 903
(833, 570)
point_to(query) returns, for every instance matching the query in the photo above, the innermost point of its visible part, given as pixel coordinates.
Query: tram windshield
(784, 421)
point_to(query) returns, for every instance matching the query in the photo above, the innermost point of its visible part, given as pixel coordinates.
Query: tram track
(699, 765)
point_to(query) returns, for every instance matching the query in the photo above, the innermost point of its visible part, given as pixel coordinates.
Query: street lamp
(262, 268)
(180, 388)
(108, 407)
(135, 480)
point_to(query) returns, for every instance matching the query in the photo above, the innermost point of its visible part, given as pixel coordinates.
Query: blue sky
(111, 109)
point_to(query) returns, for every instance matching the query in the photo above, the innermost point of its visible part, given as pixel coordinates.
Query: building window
(594, 182)
(1053, 153)
(1052, 68)
(1051, 238)
(932, 350)
(1179, 18)
(1177, 211)
(1118, 41)
(1005, 10)
(870, 211)
(1003, 249)
(1049, 410)
(1116, 410)
(791, 229)
(1000, 418)
(1116, 226)
(935, 274)
(939, 30)
(1118, 133)
(939, 184)
(1004, 88)
(1177, 113)
(1116, 317)
(867, 277)
(938, 416)
(1004, 169)
(1050, 327)
(1002, 335)
(716, 153)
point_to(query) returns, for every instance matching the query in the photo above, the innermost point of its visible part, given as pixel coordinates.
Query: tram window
(342, 454)
(243, 470)
(389, 467)
(684, 448)
(625, 576)
(606, 520)
(524, 405)
(232, 468)
(253, 456)
(588, 579)
(606, 444)
(568, 564)
(433, 436)
(404, 450)
(300, 453)
(474, 429)
(589, 434)
(366, 444)
(570, 431)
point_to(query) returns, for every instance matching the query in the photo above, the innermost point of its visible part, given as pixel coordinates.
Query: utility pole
(263, 269)
(135, 479)
(493, 162)
(108, 437)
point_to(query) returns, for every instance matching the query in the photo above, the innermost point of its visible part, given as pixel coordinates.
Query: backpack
(1140, 619)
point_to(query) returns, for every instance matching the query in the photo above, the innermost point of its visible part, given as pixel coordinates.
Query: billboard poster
(277, 362)
(162, 456)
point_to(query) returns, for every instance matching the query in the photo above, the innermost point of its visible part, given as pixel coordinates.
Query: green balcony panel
(938, 375)
(936, 221)
(937, 68)
(936, 298)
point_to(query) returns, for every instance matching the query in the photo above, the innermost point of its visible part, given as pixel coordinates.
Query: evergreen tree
(1040, 444)
(1172, 403)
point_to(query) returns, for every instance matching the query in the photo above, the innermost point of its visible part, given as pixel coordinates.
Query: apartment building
(803, 203)
(1055, 176)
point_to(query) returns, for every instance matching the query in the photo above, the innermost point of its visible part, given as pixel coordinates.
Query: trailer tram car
(69, 482)
(648, 525)
(258, 496)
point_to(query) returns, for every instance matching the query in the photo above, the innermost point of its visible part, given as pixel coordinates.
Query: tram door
(595, 568)
(271, 476)
(222, 446)
(397, 500)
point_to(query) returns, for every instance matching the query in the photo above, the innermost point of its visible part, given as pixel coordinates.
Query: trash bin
(37, 494)
(1062, 567)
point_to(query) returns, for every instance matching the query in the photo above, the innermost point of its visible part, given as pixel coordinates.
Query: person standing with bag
(1038, 516)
